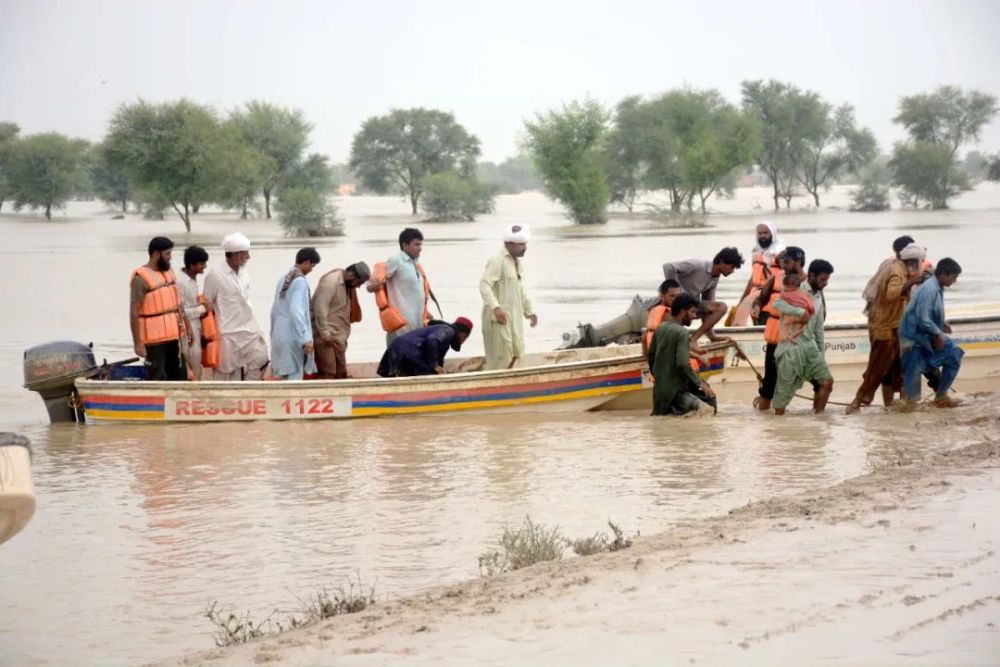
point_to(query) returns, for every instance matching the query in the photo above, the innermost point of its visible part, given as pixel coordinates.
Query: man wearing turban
(242, 349)
(505, 302)
(891, 294)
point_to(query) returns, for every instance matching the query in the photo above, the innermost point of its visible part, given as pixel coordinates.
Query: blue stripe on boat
(124, 407)
(498, 396)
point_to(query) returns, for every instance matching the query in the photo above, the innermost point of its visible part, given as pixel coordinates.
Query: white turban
(517, 234)
(912, 251)
(235, 242)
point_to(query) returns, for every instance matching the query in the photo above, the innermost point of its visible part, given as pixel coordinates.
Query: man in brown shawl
(335, 307)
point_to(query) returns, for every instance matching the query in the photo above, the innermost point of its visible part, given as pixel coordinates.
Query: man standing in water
(801, 357)
(792, 260)
(291, 328)
(155, 313)
(668, 362)
(700, 277)
(892, 293)
(242, 350)
(505, 301)
(923, 337)
(195, 261)
(335, 307)
(405, 283)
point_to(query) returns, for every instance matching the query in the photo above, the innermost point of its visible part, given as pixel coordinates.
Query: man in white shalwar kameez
(242, 349)
(505, 302)
(291, 327)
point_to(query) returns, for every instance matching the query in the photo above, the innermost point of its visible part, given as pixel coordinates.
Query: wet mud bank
(898, 566)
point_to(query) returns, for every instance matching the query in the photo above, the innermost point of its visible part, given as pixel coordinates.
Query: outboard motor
(622, 330)
(51, 369)
(17, 491)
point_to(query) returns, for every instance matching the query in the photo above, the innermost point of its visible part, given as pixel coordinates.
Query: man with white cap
(242, 350)
(891, 295)
(505, 301)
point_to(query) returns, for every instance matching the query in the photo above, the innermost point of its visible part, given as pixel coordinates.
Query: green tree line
(692, 144)
(688, 143)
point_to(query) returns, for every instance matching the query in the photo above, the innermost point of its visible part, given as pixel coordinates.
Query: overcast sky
(65, 65)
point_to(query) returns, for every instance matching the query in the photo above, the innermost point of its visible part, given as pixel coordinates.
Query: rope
(740, 354)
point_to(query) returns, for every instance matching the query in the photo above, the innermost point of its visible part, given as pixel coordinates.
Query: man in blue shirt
(923, 337)
(405, 283)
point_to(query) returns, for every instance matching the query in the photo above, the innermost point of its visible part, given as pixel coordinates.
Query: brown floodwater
(140, 528)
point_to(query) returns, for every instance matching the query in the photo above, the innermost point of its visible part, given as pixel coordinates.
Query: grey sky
(65, 65)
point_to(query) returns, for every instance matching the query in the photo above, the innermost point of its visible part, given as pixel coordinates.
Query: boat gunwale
(448, 378)
(624, 359)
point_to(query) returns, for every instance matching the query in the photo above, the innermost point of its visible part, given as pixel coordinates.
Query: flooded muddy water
(140, 528)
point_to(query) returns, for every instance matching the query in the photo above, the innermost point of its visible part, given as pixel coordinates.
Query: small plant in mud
(620, 542)
(599, 542)
(325, 604)
(232, 629)
(588, 546)
(531, 543)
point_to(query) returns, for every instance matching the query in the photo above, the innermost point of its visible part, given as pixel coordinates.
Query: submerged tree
(838, 146)
(392, 154)
(926, 167)
(624, 153)
(306, 212)
(108, 178)
(789, 118)
(568, 149)
(8, 135)
(174, 152)
(449, 197)
(280, 136)
(46, 170)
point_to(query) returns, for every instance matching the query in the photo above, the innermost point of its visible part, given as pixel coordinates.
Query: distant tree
(242, 172)
(46, 170)
(567, 147)
(314, 172)
(724, 141)
(624, 152)
(108, 178)
(391, 154)
(279, 134)
(837, 146)
(449, 197)
(174, 152)
(513, 175)
(8, 135)
(927, 174)
(948, 116)
(976, 166)
(306, 212)
(788, 118)
(926, 168)
(686, 142)
(872, 192)
(994, 171)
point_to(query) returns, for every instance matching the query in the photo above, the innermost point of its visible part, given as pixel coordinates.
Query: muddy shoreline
(800, 575)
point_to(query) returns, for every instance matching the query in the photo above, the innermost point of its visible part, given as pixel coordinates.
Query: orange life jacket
(760, 270)
(655, 319)
(209, 337)
(159, 312)
(771, 331)
(390, 317)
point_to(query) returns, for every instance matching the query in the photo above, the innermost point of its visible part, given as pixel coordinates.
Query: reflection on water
(139, 528)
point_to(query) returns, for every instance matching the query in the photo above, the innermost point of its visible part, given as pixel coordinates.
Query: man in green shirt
(676, 385)
(803, 358)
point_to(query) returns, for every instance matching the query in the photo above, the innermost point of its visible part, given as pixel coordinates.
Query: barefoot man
(505, 301)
